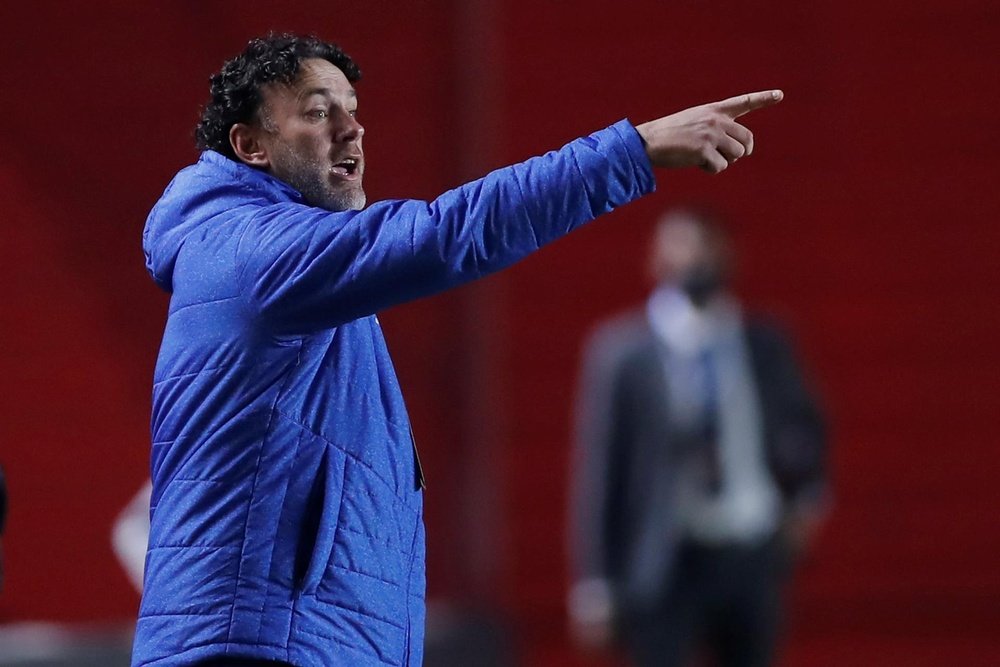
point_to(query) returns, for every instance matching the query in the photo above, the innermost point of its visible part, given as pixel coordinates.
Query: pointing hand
(705, 136)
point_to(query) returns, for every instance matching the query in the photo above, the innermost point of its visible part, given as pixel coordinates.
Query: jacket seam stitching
(353, 647)
(186, 614)
(253, 489)
(198, 372)
(351, 455)
(409, 582)
(587, 194)
(340, 510)
(274, 547)
(515, 177)
(375, 539)
(359, 612)
(203, 303)
(367, 575)
(229, 547)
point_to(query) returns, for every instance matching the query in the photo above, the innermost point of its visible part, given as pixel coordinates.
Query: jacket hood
(198, 193)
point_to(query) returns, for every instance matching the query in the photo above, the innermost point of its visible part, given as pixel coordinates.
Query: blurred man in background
(701, 458)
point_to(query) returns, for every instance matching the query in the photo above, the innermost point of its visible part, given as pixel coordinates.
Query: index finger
(735, 107)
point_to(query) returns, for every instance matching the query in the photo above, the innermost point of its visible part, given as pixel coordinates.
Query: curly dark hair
(236, 88)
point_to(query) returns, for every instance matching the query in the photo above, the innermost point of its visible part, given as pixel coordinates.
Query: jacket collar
(253, 178)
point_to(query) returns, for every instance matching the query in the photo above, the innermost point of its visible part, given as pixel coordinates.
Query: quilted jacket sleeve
(306, 269)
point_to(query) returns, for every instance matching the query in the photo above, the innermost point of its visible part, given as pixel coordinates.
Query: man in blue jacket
(286, 511)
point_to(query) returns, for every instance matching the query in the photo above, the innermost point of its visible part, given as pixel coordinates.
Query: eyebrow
(325, 92)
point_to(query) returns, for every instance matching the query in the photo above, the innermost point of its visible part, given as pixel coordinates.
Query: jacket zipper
(420, 482)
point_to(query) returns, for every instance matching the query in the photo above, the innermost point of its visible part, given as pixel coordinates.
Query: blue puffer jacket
(286, 505)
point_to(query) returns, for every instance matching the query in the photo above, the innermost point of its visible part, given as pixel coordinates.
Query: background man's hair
(236, 88)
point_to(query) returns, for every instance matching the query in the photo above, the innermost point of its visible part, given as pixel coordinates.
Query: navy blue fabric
(286, 522)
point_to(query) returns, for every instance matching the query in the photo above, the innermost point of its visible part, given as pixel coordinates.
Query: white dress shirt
(747, 507)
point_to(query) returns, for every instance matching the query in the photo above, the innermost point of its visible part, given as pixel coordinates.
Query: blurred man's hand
(800, 530)
(592, 615)
(705, 136)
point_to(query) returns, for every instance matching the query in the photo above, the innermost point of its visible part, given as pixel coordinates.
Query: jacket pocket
(320, 521)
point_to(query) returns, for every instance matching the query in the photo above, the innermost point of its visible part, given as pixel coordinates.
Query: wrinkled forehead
(315, 77)
(682, 230)
(682, 239)
(316, 73)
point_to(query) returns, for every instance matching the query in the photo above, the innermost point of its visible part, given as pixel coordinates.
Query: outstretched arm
(307, 269)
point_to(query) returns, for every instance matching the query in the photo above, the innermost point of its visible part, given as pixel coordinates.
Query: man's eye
(354, 113)
(318, 113)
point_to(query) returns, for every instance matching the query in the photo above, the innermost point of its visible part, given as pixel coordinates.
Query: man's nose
(349, 129)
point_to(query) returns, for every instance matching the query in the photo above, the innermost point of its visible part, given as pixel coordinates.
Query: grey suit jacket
(624, 518)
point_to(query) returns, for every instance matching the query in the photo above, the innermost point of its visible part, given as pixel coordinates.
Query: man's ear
(246, 143)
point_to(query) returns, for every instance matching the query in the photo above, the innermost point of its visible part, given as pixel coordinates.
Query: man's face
(680, 247)
(690, 256)
(312, 138)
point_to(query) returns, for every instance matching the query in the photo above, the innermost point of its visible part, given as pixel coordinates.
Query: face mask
(701, 283)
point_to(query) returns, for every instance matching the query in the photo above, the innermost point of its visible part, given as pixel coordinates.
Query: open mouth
(347, 167)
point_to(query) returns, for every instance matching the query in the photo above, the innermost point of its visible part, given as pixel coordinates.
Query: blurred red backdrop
(867, 219)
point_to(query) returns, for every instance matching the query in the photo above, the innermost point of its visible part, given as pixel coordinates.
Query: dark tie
(709, 422)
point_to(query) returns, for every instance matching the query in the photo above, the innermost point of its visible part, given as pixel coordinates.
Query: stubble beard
(311, 178)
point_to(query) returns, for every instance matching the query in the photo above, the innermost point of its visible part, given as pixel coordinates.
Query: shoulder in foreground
(211, 186)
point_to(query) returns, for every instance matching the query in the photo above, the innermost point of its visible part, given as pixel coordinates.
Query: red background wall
(867, 218)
